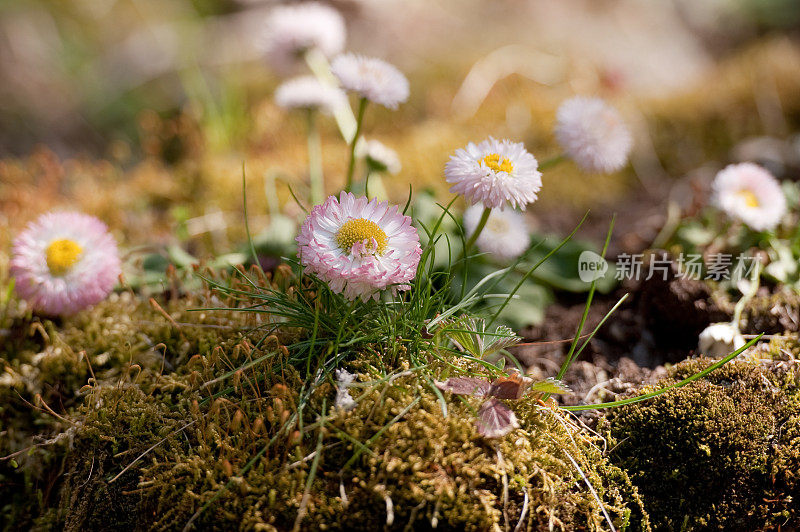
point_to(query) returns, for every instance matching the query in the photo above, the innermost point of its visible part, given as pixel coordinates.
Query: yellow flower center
(749, 198)
(359, 230)
(61, 255)
(494, 162)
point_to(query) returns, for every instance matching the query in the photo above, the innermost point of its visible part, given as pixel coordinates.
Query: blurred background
(143, 111)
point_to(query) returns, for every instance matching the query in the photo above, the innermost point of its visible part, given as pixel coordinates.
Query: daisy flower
(371, 78)
(749, 193)
(505, 235)
(64, 262)
(307, 92)
(593, 134)
(359, 247)
(379, 157)
(494, 173)
(720, 339)
(292, 30)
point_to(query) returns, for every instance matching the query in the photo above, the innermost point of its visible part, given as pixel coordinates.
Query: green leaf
(179, 257)
(470, 333)
(550, 386)
(155, 262)
(561, 270)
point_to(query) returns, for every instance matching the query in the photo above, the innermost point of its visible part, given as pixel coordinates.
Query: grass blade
(684, 382)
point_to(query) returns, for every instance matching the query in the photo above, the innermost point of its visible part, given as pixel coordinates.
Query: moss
(124, 423)
(158, 395)
(46, 366)
(433, 469)
(721, 453)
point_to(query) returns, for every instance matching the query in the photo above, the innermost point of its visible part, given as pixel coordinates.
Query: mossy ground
(154, 386)
(722, 453)
(428, 469)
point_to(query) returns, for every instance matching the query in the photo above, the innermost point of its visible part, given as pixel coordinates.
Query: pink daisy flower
(494, 173)
(749, 193)
(359, 247)
(64, 262)
(593, 134)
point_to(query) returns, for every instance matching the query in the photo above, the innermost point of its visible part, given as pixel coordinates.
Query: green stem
(366, 183)
(362, 107)
(315, 160)
(552, 161)
(318, 64)
(481, 224)
(754, 282)
(246, 223)
(571, 354)
(271, 192)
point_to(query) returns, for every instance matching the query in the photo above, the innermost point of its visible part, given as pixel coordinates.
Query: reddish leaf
(495, 419)
(464, 386)
(512, 387)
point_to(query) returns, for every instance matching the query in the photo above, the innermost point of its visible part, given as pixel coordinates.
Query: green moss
(721, 453)
(123, 341)
(235, 449)
(432, 469)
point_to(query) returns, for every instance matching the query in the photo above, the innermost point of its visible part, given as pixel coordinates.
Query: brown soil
(658, 324)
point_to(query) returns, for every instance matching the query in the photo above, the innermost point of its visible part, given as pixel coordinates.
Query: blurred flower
(749, 193)
(292, 30)
(494, 173)
(307, 92)
(359, 247)
(372, 78)
(720, 339)
(64, 262)
(379, 157)
(505, 235)
(593, 134)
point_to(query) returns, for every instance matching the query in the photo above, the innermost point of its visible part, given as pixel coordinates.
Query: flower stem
(752, 289)
(318, 64)
(315, 160)
(481, 224)
(552, 161)
(362, 107)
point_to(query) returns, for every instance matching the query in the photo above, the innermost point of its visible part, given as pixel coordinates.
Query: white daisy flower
(379, 157)
(64, 262)
(505, 235)
(749, 193)
(307, 92)
(593, 134)
(371, 78)
(359, 247)
(291, 30)
(720, 339)
(494, 173)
